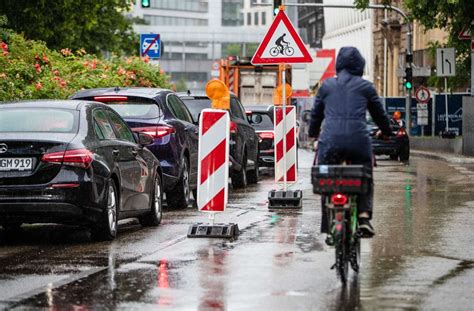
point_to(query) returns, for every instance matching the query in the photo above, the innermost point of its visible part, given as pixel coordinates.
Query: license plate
(16, 164)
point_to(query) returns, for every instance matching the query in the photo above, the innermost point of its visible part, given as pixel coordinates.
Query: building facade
(390, 46)
(350, 27)
(311, 24)
(195, 33)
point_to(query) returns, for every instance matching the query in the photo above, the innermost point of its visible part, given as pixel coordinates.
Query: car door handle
(115, 152)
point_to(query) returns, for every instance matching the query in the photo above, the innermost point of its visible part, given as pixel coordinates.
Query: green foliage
(233, 49)
(29, 70)
(362, 4)
(95, 25)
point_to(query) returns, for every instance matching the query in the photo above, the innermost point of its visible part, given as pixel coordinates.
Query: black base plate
(202, 230)
(290, 199)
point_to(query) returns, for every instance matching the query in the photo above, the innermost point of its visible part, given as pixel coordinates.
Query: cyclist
(279, 42)
(343, 102)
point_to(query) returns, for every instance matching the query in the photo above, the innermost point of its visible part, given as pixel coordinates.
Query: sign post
(282, 45)
(446, 67)
(422, 95)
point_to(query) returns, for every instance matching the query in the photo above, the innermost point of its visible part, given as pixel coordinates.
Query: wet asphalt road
(421, 258)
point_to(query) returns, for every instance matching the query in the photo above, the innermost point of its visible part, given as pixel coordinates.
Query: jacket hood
(350, 59)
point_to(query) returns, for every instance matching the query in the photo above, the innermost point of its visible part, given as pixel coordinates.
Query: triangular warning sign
(465, 34)
(281, 44)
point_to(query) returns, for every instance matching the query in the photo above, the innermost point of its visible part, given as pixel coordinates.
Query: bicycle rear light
(339, 199)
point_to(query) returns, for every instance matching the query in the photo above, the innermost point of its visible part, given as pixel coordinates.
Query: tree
(95, 25)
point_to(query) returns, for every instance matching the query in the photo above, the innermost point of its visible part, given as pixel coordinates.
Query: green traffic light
(145, 3)
(275, 11)
(408, 85)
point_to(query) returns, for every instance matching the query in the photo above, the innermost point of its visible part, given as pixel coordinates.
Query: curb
(450, 158)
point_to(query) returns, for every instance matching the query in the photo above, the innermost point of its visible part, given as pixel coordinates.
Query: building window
(181, 5)
(264, 18)
(249, 19)
(174, 21)
(231, 12)
(255, 15)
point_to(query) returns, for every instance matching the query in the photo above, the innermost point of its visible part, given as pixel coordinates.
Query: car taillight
(266, 135)
(78, 157)
(401, 132)
(156, 131)
(110, 98)
(233, 127)
(338, 199)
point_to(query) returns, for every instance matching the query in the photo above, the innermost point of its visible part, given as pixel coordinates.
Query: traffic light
(276, 6)
(145, 3)
(408, 78)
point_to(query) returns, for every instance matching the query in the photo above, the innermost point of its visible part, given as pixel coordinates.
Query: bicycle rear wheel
(341, 247)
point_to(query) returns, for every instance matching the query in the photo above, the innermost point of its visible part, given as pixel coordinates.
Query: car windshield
(38, 120)
(265, 124)
(137, 109)
(195, 106)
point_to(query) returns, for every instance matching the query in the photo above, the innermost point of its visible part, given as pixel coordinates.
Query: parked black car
(261, 118)
(396, 146)
(161, 114)
(243, 139)
(75, 162)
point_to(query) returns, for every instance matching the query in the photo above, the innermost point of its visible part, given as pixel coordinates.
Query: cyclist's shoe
(365, 227)
(329, 240)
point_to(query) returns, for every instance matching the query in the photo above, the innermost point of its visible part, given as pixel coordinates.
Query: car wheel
(254, 174)
(106, 228)
(404, 153)
(239, 178)
(180, 196)
(154, 216)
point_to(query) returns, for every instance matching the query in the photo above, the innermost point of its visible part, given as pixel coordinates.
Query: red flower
(94, 64)
(38, 68)
(45, 59)
(56, 72)
(5, 53)
(4, 46)
(38, 86)
(146, 59)
(62, 84)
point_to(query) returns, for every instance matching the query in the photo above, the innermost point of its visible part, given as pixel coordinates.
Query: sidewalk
(447, 157)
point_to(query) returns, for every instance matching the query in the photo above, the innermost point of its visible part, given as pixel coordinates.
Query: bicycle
(340, 186)
(287, 50)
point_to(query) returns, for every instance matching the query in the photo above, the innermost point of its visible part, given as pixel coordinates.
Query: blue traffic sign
(150, 45)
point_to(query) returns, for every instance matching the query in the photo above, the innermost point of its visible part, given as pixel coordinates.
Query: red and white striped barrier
(290, 155)
(213, 162)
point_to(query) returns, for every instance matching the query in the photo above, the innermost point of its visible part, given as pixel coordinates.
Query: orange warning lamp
(278, 94)
(219, 94)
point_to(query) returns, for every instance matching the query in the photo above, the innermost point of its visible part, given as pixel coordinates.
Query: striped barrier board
(213, 161)
(291, 148)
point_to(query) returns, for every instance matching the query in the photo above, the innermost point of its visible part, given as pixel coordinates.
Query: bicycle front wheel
(289, 51)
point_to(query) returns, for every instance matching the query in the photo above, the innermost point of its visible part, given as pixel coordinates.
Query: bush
(29, 70)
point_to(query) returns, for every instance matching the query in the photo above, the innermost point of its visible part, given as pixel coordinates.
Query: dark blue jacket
(343, 103)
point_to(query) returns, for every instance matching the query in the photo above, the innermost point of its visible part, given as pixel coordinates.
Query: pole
(283, 83)
(446, 102)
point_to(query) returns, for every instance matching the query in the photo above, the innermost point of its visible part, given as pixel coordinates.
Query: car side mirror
(196, 122)
(306, 116)
(144, 139)
(256, 118)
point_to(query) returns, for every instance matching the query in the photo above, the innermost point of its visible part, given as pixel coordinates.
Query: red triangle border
(281, 17)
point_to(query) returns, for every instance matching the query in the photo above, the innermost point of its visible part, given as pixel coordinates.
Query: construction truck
(253, 85)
